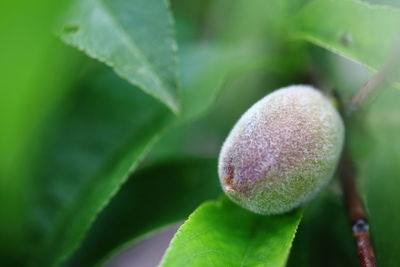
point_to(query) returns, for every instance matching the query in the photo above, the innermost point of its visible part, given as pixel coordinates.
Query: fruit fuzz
(282, 150)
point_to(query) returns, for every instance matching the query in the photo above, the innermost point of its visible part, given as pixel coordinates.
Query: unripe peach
(282, 151)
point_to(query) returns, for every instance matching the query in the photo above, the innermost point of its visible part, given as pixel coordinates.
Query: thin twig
(383, 78)
(356, 212)
(355, 209)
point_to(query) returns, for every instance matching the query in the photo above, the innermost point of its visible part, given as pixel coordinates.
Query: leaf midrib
(251, 241)
(136, 50)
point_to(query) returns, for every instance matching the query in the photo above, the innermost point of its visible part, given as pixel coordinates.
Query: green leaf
(135, 37)
(357, 30)
(151, 199)
(101, 133)
(380, 173)
(137, 109)
(220, 233)
(393, 3)
(203, 68)
(260, 29)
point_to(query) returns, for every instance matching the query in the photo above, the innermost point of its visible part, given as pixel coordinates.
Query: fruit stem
(356, 212)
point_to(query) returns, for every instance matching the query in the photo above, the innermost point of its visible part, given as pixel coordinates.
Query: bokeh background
(69, 122)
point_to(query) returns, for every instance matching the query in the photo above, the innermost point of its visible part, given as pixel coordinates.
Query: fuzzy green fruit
(282, 151)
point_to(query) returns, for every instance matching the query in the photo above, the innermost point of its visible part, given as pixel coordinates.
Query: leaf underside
(354, 29)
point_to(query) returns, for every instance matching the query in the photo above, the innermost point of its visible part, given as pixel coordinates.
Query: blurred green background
(73, 130)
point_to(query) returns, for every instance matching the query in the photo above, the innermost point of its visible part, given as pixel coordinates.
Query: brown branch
(356, 212)
(355, 209)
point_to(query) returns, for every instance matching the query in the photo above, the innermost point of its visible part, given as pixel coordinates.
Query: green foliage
(101, 135)
(73, 130)
(203, 68)
(220, 233)
(124, 35)
(351, 28)
(171, 191)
